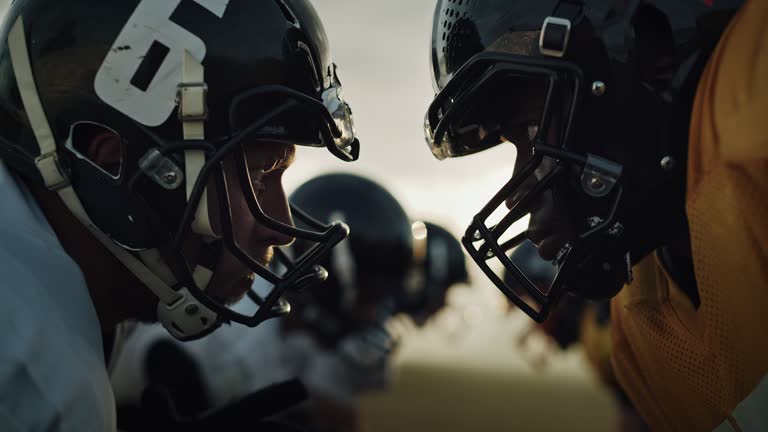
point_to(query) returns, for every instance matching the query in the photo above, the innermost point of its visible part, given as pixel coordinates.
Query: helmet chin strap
(179, 312)
(188, 318)
(192, 113)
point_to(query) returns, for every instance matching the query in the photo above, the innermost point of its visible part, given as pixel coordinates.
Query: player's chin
(232, 288)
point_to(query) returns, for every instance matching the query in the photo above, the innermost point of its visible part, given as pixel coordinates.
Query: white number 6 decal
(149, 23)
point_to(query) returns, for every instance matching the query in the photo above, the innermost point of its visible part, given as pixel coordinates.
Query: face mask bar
(470, 80)
(315, 277)
(303, 271)
(483, 242)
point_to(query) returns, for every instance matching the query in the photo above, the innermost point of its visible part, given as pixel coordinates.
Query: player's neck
(115, 292)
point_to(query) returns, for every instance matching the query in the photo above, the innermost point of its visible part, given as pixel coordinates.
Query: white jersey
(234, 360)
(52, 371)
(237, 360)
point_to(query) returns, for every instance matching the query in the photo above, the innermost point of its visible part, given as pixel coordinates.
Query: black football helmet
(130, 109)
(366, 271)
(443, 266)
(596, 97)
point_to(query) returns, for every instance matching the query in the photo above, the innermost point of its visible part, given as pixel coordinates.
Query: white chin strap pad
(186, 319)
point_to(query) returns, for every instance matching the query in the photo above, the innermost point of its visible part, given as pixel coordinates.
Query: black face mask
(570, 198)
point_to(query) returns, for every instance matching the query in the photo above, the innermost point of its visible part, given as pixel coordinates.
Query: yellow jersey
(688, 369)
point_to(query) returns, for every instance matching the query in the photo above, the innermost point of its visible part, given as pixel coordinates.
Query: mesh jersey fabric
(688, 369)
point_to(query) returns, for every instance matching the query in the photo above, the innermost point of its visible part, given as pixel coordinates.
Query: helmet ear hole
(99, 145)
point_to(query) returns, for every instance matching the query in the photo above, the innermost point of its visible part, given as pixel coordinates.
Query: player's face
(267, 161)
(549, 226)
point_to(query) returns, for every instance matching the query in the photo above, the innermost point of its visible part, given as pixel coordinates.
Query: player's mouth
(232, 293)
